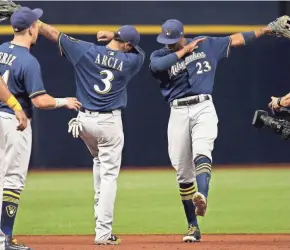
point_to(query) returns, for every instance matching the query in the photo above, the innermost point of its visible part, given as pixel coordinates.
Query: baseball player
(11, 101)
(102, 74)
(185, 69)
(21, 72)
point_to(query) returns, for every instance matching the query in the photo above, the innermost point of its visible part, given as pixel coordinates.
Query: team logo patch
(11, 210)
(168, 32)
(111, 53)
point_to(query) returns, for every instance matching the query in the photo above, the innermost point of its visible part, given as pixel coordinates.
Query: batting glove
(74, 127)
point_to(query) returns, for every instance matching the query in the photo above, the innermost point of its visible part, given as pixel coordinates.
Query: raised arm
(48, 31)
(279, 27)
(161, 63)
(244, 38)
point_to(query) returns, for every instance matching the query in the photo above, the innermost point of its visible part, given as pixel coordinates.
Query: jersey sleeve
(162, 62)
(72, 48)
(220, 46)
(136, 59)
(33, 79)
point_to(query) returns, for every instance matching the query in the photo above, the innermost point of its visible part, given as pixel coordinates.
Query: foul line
(144, 29)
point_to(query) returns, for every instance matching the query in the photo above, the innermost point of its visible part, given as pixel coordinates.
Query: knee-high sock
(9, 210)
(203, 174)
(186, 192)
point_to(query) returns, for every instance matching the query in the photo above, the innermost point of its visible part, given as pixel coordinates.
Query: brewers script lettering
(179, 66)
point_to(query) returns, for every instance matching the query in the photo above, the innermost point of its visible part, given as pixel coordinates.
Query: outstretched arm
(244, 38)
(73, 49)
(161, 63)
(279, 27)
(48, 31)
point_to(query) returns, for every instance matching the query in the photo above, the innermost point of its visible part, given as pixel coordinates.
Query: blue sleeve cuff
(249, 36)
(37, 93)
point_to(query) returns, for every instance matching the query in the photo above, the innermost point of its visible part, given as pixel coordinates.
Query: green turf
(241, 201)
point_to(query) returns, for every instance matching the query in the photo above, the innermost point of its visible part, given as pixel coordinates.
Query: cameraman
(278, 102)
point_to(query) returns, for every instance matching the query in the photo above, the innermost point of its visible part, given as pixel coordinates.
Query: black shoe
(11, 244)
(113, 240)
(193, 235)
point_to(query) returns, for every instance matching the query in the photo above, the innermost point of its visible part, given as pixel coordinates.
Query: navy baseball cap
(24, 17)
(172, 31)
(128, 33)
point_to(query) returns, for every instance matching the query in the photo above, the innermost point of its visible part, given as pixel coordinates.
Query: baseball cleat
(11, 244)
(113, 240)
(200, 203)
(193, 235)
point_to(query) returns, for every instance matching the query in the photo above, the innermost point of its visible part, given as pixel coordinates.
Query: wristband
(60, 102)
(13, 103)
(279, 102)
(249, 36)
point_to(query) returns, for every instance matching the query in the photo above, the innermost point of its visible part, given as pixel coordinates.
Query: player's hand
(193, 45)
(105, 36)
(73, 103)
(74, 127)
(274, 103)
(22, 119)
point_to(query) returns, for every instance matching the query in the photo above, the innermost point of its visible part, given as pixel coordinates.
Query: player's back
(106, 74)
(102, 74)
(16, 67)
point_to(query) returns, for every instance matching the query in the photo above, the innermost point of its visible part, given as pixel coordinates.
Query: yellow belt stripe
(11, 193)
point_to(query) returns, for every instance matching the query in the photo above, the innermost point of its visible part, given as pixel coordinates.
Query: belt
(190, 101)
(92, 111)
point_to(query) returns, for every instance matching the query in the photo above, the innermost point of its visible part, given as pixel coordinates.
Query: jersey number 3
(203, 67)
(109, 77)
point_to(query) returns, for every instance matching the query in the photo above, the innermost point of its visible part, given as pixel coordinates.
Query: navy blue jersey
(194, 73)
(21, 72)
(101, 74)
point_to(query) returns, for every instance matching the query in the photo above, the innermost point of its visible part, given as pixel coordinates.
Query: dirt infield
(161, 242)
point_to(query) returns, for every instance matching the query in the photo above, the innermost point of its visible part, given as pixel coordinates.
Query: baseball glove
(7, 8)
(281, 26)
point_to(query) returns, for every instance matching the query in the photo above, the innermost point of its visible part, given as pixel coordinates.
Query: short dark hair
(118, 38)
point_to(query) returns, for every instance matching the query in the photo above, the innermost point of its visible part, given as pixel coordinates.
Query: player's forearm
(48, 31)
(48, 102)
(105, 35)
(8, 98)
(285, 101)
(5, 94)
(165, 62)
(244, 38)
